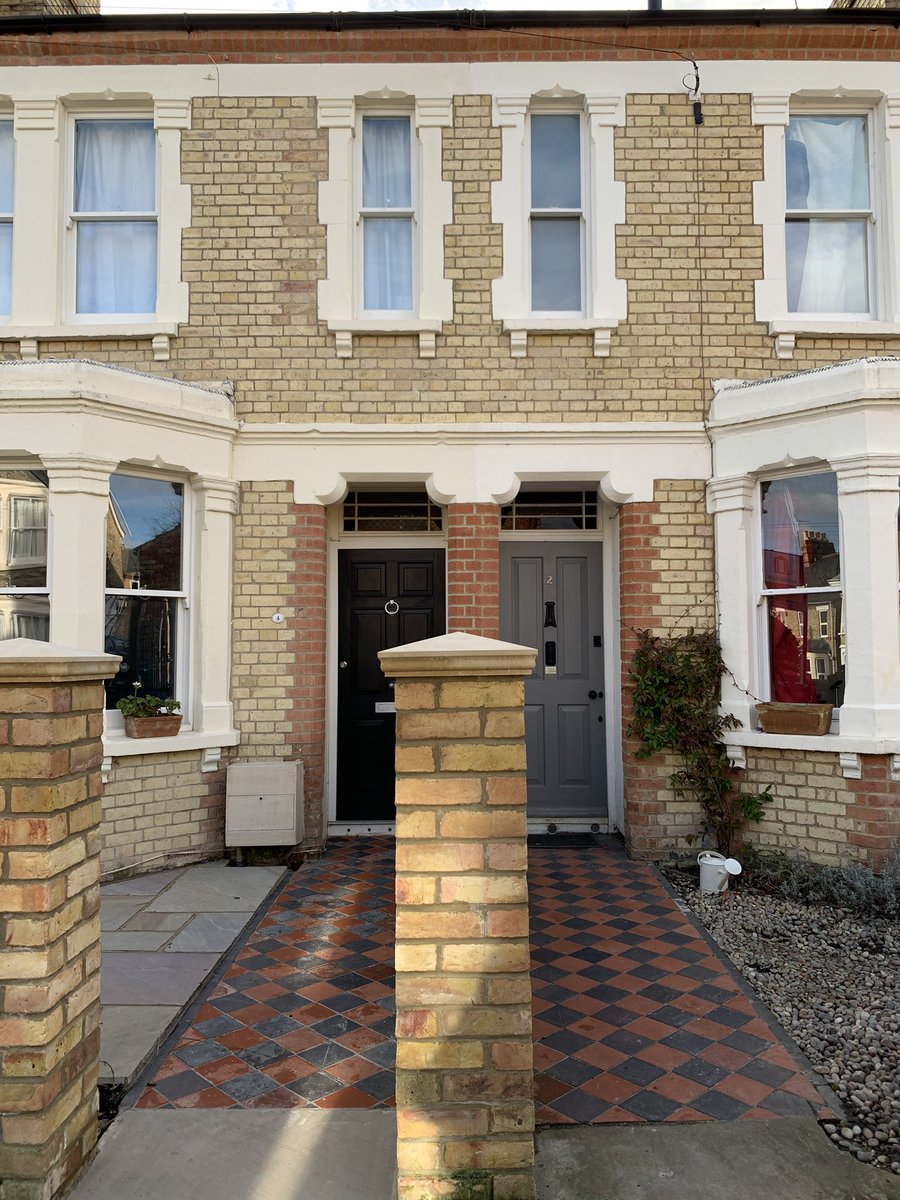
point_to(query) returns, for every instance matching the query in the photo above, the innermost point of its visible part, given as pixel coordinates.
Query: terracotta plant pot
(809, 720)
(147, 727)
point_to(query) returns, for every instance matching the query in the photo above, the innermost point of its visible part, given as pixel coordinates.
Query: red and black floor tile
(636, 1015)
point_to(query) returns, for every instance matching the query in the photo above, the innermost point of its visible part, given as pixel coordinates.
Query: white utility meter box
(264, 804)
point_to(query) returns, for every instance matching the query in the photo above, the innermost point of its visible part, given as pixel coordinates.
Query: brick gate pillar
(473, 568)
(51, 721)
(465, 1108)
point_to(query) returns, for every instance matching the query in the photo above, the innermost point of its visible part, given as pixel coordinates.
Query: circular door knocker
(392, 608)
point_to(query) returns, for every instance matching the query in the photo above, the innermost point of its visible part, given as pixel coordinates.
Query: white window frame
(27, 560)
(8, 218)
(115, 722)
(547, 109)
(870, 215)
(605, 303)
(765, 595)
(73, 219)
(772, 111)
(363, 214)
(6, 534)
(340, 292)
(42, 305)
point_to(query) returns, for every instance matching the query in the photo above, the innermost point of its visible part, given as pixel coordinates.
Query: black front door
(387, 598)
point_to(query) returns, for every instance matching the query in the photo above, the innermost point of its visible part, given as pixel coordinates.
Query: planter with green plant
(149, 716)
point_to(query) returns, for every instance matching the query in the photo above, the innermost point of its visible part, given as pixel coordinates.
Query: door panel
(368, 580)
(552, 593)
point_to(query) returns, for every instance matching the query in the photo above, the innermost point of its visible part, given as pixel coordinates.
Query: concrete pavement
(316, 1154)
(161, 936)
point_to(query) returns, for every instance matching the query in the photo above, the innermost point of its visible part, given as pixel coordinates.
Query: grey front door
(551, 598)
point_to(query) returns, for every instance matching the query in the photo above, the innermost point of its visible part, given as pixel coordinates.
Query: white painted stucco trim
(339, 197)
(771, 110)
(845, 418)
(606, 300)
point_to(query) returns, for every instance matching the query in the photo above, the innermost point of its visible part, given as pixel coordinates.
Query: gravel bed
(832, 979)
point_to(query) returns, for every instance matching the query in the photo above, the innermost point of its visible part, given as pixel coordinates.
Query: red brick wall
(473, 569)
(307, 736)
(876, 810)
(862, 41)
(645, 821)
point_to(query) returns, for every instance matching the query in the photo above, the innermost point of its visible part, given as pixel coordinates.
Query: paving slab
(143, 885)
(302, 1154)
(134, 939)
(129, 1035)
(138, 978)
(216, 887)
(207, 932)
(116, 910)
(742, 1160)
(156, 920)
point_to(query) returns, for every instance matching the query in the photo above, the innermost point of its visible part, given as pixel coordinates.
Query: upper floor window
(387, 214)
(829, 216)
(802, 591)
(114, 216)
(7, 182)
(556, 213)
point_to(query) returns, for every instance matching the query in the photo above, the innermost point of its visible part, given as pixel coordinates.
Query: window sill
(786, 330)
(117, 745)
(519, 329)
(848, 749)
(426, 328)
(29, 336)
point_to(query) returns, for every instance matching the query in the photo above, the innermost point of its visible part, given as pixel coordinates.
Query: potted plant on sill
(149, 716)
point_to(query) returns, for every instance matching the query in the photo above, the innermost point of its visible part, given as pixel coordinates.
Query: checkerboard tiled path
(636, 1017)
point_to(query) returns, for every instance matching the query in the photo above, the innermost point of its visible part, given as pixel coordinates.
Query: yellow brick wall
(160, 808)
(688, 250)
(263, 659)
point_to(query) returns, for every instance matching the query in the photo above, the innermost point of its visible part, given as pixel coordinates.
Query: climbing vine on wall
(675, 708)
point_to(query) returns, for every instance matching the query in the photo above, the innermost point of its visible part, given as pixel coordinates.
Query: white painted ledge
(118, 746)
(519, 328)
(834, 743)
(75, 329)
(425, 328)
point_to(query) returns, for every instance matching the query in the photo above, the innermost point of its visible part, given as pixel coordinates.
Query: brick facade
(473, 569)
(254, 254)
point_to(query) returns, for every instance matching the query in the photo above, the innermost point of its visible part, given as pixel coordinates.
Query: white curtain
(827, 170)
(7, 180)
(387, 240)
(115, 172)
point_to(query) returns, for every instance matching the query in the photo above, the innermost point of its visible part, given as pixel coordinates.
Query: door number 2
(549, 579)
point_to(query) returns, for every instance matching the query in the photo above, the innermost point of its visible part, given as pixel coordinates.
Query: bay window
(387, 215)
(114, 216)
(556, 215)
(7, 182)
(145, 594)
(829, 217)
(24, 592)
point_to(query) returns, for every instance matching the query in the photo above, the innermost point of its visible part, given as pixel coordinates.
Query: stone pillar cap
(457, 654)
(25, 660)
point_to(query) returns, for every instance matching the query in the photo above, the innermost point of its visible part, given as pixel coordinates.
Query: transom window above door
(550, 510)
(391, 512)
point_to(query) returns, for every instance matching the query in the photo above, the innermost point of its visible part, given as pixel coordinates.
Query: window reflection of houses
(141, 624)
(24, 601)
(825, 649)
